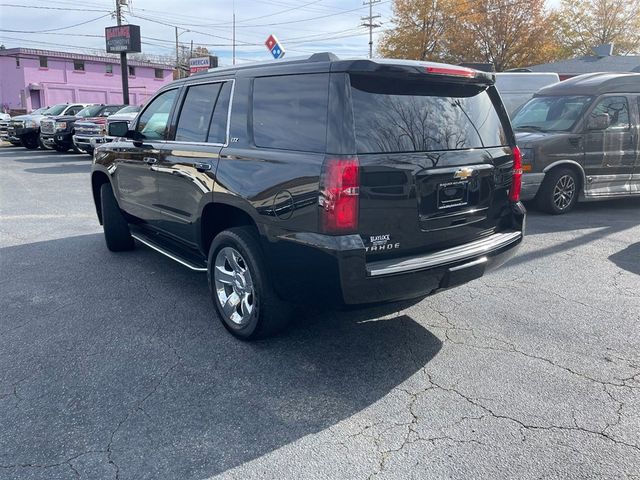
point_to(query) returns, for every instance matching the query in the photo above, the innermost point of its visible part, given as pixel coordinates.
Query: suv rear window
(290, 112)
(395, 115)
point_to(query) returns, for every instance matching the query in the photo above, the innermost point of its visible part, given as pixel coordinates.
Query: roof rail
(315, 57)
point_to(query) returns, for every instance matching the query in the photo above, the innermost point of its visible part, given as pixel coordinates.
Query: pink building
(31, 78)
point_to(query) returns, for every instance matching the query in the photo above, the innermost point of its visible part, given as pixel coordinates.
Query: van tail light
(516, 179)
(339, 193)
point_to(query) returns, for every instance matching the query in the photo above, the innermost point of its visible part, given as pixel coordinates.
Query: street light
(179, 70)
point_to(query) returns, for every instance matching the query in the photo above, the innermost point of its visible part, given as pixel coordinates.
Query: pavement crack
(528, 426)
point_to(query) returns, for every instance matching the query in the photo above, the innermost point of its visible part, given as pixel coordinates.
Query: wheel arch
(98, 178)
(573, 165)
(218, 216)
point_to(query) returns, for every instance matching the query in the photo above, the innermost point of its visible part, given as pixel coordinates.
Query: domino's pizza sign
(274, 47)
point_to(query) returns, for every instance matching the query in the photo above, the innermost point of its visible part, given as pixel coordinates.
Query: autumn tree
(585, 24)
(506, 33)
(420, 30)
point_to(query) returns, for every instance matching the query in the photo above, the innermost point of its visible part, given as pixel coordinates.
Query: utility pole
(124, 68)
(178, 72)
(233, 35)
(369, 23)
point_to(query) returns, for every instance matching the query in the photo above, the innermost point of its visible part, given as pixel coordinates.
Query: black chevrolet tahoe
(335, 181)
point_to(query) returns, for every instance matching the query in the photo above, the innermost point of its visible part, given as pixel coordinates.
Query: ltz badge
(381, 243)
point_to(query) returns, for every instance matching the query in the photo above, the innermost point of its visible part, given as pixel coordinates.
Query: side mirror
(599, 122)
(118, 129)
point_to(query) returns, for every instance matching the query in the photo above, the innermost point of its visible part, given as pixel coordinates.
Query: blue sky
(302, 26)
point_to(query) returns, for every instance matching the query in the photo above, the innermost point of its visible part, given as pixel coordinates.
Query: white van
(516, 88)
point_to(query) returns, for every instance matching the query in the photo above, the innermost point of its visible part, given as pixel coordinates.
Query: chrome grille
(48, 126)
(16, 123)
(90, 129)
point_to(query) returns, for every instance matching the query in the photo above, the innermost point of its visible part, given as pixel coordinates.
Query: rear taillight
(454, 71)
(339, 191)
(516, 179)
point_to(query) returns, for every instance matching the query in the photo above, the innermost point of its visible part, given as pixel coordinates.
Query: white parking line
(45, 216)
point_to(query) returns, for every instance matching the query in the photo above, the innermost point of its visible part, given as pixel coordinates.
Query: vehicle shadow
(122, 354)
(628, 259)
(597, 220)
(62, 169)
(56, 158)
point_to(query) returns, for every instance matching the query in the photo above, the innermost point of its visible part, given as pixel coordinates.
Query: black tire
(30, 142)
(269, 314)
(42, 145)
(559, 191)
(61, 148)
(116, 228)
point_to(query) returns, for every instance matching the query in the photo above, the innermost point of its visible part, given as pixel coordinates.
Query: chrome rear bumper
(441, 258)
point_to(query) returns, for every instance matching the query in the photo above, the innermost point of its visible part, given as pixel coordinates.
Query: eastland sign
(123, 39)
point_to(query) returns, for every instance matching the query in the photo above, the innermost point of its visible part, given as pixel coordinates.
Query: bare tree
(584, 24)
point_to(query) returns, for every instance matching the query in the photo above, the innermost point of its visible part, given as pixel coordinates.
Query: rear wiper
(531, 127)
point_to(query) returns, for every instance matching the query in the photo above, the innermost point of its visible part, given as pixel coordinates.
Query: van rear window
(395, 115)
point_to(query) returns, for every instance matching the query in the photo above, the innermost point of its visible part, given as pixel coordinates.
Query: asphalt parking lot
(114, 366)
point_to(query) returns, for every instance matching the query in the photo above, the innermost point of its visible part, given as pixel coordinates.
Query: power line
(178, 25)
(56, 29)
(301, 20)
(12, 5)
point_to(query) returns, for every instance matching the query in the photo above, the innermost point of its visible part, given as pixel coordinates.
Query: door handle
(575, 141)
(202, 166)
(150, 160)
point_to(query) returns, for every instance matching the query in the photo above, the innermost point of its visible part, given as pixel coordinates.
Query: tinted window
(195, 115)
(154, 120)
(618, 110)
(290, 112)
(555, 113)
(56, 109)
(129, 109)
(74, 110)
(394, 115)
(110, 110)
(91, 111)
(218, 129)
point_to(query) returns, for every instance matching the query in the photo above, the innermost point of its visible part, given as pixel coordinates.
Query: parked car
(128, 114)
(4, 126)
(26, 128)
(517, 88)
(340, 181)
(17, 122)
(579, 140)
(89, 133)
(57, 132)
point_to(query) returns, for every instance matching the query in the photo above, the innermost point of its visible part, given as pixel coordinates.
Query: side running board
(171, 249)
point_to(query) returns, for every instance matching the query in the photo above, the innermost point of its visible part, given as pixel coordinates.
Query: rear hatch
(435, 161)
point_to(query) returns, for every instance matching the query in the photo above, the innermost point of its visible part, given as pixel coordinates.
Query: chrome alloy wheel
(564, 191)
(234, 286)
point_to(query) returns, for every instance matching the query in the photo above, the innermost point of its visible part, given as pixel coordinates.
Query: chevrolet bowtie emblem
(463, 173)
